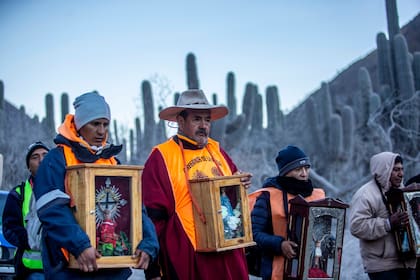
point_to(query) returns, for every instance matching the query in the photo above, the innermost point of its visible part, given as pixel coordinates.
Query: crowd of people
(168, 247)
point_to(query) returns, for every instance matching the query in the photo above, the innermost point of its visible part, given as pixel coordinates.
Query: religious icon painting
(112, 211)
(318, 229)
(107, 202)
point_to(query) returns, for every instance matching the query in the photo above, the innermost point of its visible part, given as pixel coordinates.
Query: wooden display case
(108, 208)
(318, 229)
(224, 202)
(405, 200)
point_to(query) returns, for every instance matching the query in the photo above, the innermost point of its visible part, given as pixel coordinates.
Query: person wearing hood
(190, 154)
(82, 138)
(372, 224)
(270, 213)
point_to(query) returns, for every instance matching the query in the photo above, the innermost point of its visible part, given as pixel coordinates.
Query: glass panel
(323, 247)
(414, 211)
(297, 238)
(113, 217)
(231, 212)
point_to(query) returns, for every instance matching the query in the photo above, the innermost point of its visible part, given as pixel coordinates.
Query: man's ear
(181, 121)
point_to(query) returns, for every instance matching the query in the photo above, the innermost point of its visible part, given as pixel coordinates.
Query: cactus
(149, 119)
(214, 98)
(1, 95)
(335, 141)
(192, 75)
(363, 97)
(231, 99)
(132, 150)
(64, 105)
(257, 116)
(403, 67)
(49, 106)
(348, 131)
(248, 103)
(314, 135)
(385, 74)
(176, 97)
(392, 18)
(273, 110)
(138, 137)
(416, 70)
(116, 137)
(374, 103)
(325, 104)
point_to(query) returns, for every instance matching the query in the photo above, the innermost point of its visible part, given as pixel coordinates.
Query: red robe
(176, 248)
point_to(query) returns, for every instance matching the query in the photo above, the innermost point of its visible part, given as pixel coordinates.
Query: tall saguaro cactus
(64, 105)
(231, 99)
(192, 74)
(49, 108)
(403, 67)
(1, 95)
(385, 66)
(149, 116)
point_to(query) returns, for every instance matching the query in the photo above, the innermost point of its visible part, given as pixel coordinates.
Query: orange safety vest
(199, 164)
(72, 160)
(279, 219)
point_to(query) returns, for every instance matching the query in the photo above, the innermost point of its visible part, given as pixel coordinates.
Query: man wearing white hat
(190, 154)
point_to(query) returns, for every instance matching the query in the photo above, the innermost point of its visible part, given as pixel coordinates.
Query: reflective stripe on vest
(30, 259)
(279, 219)
(199, 163)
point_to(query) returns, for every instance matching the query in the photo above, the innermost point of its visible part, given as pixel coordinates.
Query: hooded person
(270, 208)
(82, 138)
(189, 154)
(374, 226)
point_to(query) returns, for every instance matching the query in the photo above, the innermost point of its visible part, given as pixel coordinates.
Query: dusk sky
(56, 46)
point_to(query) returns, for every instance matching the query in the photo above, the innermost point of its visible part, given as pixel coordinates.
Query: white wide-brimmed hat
(193, 99)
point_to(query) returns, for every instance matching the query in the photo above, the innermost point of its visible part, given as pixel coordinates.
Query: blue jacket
(262, 230)
(60, 228)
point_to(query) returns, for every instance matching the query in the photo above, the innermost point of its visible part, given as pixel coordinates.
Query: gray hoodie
(369, 219)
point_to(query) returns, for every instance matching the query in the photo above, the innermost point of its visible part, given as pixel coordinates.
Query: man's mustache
(203, 131)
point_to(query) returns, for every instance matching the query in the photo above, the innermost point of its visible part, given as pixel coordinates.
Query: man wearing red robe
(190, 154)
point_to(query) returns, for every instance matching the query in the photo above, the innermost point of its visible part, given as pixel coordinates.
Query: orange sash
(199, 164)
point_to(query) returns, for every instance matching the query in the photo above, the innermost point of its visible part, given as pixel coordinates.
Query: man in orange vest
(190, 154)
(82, 138)
(270, 212)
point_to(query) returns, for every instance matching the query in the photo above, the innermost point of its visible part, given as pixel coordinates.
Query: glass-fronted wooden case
(408, 200)
(318, 228)
(224, 203)
(107, 200)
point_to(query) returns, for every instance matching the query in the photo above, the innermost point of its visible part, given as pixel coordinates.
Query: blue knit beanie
(290, 158)
(88, 107)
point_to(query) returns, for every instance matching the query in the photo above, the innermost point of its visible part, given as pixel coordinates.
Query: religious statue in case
(318, 229)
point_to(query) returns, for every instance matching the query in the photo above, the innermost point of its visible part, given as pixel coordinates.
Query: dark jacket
(60, 226)
(261, 225)
(13, 228)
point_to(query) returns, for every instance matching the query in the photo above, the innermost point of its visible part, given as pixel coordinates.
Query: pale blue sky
(56, 46)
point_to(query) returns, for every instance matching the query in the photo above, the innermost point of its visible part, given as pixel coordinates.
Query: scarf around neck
(290, 185)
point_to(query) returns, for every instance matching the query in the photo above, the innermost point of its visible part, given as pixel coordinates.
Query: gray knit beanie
(88, 107)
